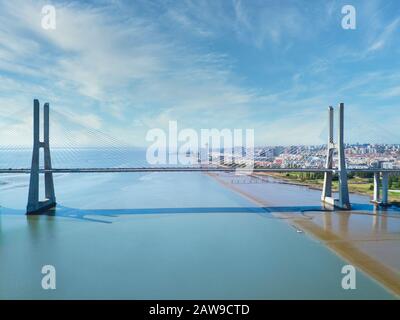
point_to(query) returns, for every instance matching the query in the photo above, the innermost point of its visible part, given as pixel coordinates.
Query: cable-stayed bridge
(192, 169)
(120, 161)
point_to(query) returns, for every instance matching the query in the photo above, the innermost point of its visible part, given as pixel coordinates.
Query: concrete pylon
(35, 206)
(343, 202)
(327, 187)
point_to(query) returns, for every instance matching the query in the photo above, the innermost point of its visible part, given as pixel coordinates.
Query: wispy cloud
(127, 67)
(389, 31)
(260, 25)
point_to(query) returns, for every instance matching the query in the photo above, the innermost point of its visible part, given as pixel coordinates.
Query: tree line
(394, 179)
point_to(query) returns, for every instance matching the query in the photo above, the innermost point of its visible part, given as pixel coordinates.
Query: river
(165, 236)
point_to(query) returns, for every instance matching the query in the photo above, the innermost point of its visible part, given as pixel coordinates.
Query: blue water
(163, 236)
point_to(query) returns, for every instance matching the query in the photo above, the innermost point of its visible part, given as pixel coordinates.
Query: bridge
(193, 169)
(35, 206)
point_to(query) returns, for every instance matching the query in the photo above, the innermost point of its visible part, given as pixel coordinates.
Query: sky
(126, 67)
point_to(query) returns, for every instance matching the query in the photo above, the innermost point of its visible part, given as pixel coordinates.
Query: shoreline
(317, 186)
(344, 248)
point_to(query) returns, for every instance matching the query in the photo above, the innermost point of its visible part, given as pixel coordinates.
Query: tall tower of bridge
(344, 201)
(36, 206)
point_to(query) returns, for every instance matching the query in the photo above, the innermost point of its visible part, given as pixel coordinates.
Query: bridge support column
(385, 188)
(34, 205)
(376, 198)
(343, 202)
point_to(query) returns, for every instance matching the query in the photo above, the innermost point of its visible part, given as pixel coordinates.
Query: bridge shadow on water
(93, 215)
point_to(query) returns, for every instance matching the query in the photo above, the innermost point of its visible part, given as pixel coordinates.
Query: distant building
(387, 165)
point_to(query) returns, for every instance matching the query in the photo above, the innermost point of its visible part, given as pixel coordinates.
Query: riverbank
(357, 185)
(367, 239)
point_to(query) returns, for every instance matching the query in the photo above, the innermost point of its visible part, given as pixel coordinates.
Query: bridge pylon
(35, 206)
(327, 197)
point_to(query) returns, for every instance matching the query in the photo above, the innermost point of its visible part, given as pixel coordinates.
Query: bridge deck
(188, 169)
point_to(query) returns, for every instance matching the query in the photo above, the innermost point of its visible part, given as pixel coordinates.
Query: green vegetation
(358, 183)
(394, 182)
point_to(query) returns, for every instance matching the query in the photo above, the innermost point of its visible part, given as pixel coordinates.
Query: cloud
(127, 67)
(262, 24)
(119, 65)
(91, 51)
(381, 41)
(392, 92)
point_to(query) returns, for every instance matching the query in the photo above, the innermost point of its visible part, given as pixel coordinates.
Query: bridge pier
(385, 188)
(377, 179)
(35, 206)
(344, 201)
(381, 184)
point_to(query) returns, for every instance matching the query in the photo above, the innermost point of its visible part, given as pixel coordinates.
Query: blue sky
(126, 67)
